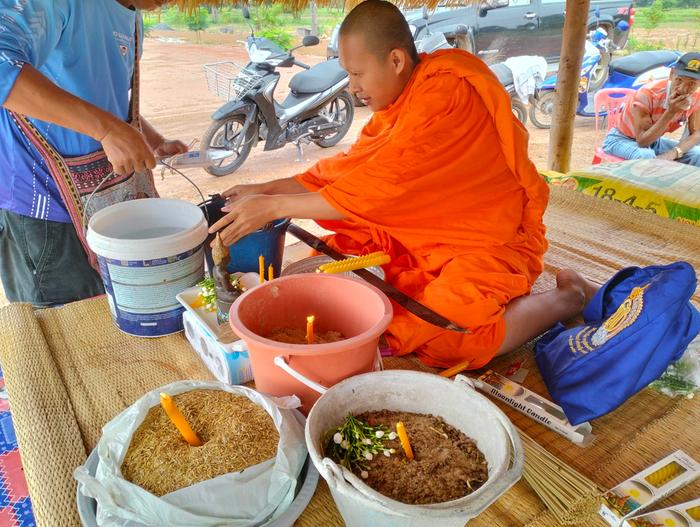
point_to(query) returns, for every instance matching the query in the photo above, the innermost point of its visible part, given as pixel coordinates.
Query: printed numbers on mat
(610, 193)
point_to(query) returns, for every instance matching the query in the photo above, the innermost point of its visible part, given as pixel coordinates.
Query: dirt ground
(176, 101)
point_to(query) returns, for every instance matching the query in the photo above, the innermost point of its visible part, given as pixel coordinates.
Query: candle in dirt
(310, 329)
(261, 268)
(270, 272)
(179, 420)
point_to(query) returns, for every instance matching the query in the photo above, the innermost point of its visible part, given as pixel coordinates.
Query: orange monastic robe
(441, 181)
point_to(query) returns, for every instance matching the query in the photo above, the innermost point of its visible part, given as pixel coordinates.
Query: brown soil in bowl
(298, 336)
(447, 465)
(236, 432)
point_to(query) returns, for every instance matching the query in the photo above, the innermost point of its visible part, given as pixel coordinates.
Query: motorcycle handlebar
(301, 64)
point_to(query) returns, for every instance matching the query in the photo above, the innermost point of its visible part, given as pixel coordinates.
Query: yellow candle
(403, 437)
(261, 270)
(270, 272)
(179, 420)
(310, 329)
(457, 368)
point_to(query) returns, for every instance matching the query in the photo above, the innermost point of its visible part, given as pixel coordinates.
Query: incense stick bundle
(569, 495)
(351, 264)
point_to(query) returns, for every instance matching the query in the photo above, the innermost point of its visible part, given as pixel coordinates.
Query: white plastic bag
(248, 498)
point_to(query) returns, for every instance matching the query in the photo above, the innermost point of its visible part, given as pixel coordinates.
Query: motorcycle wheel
(599, 76)
(339, 109)
(541, 110)
(222, 135)
(519, 109)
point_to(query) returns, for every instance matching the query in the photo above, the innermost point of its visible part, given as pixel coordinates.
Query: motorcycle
(632, 71)
(318, 109)
(433, 41)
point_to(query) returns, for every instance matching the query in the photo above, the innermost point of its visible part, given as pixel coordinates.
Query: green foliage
(229, 15)
(634, 44)
(198, 20)
(268, 16)
(653, 16)
(279, 36)
(148, 24)
(174, 17)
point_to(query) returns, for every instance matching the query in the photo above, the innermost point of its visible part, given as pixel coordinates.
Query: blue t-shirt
(84, 46)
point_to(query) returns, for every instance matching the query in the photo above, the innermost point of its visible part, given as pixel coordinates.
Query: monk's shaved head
(383, 27)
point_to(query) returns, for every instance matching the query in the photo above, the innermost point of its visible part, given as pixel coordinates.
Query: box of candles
(225, 355)
(647, 487)
(682, 515)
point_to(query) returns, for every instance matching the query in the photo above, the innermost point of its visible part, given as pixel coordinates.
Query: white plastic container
(457, 403)
(149, 250)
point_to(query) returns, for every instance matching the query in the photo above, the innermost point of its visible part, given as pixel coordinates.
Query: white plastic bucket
(149, 250)
(457, 403)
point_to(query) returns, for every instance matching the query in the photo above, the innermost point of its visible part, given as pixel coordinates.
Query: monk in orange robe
(440, 180)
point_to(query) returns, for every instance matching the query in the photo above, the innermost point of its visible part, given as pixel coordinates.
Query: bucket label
(142, 293)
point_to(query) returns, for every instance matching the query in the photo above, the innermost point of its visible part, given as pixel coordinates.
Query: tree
(654, 15)
(198, 21)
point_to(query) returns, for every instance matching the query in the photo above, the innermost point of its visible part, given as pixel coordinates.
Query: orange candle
(403, 437)
(261, 269)
(310, 329)
(457, 368)
(270, 272)
(179, 420)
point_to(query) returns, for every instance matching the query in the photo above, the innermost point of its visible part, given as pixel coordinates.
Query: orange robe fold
(441, 181)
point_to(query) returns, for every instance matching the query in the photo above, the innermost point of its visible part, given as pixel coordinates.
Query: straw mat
(69, 371)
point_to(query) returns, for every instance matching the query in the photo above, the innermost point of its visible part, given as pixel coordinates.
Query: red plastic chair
(610, 101)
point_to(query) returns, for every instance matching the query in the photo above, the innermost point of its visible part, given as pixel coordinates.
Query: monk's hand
(169, 148)
(237, 192)
(246, 215)
(127, 149)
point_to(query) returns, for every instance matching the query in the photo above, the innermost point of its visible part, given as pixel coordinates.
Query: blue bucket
(269, 242)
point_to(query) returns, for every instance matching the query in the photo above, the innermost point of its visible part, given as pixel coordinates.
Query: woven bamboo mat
(69, 371)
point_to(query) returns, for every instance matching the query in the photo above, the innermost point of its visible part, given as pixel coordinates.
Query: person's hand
(126, 149)
(237, 192)
(170, 148)
(246, 215)
(678, 103)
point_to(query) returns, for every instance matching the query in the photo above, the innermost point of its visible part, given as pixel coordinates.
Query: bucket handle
(281, 363)
(513, 474)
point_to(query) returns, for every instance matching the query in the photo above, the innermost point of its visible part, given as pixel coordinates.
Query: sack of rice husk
(243, 475)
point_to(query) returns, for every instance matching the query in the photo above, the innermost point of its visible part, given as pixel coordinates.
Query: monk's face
(376, 81)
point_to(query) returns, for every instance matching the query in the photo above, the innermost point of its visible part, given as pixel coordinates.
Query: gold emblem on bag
(624, 316)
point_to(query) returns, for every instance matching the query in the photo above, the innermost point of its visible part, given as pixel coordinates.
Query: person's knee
(643, 153)
(693, 156)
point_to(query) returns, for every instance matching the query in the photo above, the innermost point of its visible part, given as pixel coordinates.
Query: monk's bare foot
(578, 290)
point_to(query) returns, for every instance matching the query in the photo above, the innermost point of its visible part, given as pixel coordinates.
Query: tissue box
(227, 362)
(649, 486)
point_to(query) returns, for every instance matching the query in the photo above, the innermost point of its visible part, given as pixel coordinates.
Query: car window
(552, 2)
(519, 3)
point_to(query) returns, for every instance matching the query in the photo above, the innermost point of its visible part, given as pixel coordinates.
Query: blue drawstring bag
(638, 323)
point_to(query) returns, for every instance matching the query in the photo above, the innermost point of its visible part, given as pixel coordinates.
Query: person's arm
(24, 90)
(161, 146)
(36, 96)
(252, 212)
(647, 132)
(278, 186)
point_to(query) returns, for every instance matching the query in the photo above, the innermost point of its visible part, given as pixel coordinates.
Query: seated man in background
(440, 180)
(658, 108)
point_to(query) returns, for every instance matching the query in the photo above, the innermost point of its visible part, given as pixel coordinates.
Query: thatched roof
(188, 5)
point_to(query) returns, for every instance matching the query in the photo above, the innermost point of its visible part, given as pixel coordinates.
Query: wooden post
(314, 18)
(568, 78)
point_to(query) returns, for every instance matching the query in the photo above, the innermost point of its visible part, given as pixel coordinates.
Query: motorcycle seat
(318, 79)
(642, 61)
(503, 73)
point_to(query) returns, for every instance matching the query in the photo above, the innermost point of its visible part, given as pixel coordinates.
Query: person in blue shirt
(69, 125)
